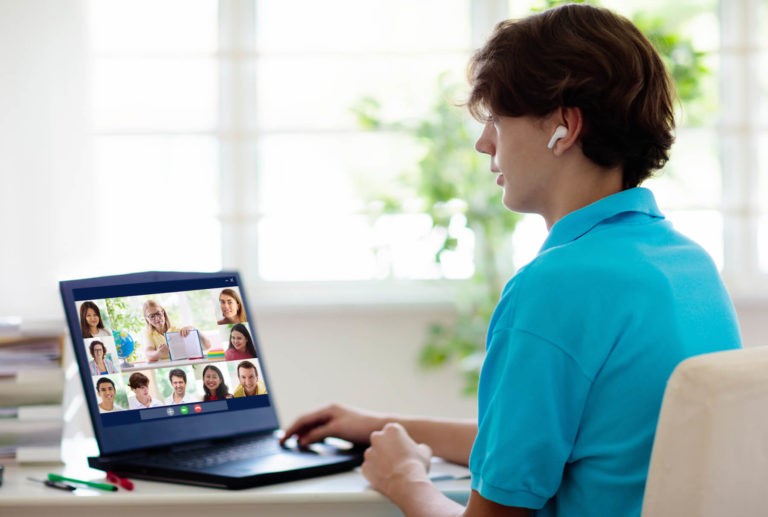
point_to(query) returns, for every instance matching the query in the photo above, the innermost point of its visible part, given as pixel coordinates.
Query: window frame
(237, 39)
(739, 132)
(740, 44)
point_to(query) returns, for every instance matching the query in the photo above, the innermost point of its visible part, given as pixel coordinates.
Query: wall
(43, 152)
(752, 320)
(360, 357)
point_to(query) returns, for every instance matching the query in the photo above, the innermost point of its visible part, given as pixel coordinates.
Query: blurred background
(316, 147)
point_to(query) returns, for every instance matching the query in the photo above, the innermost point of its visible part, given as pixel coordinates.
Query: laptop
(168, 397)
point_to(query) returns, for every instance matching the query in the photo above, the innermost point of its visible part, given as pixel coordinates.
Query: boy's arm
(397, 466)
(449, 439)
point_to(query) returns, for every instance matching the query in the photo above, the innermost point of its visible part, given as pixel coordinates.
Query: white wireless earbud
(559, 133)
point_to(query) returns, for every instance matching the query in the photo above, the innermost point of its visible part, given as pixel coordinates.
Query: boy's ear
(572, 120)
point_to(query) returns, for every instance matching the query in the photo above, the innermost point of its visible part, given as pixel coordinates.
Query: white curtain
(46, 187)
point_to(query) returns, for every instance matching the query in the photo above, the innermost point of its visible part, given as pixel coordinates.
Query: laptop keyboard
(218, 454)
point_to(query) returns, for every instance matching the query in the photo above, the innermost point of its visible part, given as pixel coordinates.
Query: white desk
(336, 495)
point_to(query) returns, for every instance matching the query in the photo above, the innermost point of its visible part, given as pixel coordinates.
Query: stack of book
(31, 390)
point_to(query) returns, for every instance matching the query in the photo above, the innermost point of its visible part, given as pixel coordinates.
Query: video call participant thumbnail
(101, 363)
(158, 324)
(250, 382)
(139, 383)
(106, 391)
(213, 384)
(232, 310)
(240, 344)
(178, 379)
(91, 323)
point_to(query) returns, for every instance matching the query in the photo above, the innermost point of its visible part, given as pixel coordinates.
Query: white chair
(710, 454)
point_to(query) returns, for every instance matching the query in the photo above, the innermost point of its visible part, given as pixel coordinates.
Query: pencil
(92, 484)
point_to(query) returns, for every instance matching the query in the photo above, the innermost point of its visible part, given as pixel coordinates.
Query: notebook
(184, 347)
(189, 398)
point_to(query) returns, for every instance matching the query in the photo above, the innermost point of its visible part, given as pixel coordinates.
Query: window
(224, 135)
(298, 150)
(156, 144)
(744, 140)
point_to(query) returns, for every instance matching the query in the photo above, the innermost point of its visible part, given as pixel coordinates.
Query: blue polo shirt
(579, 351)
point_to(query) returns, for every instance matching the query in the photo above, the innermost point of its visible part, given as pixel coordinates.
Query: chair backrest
(710, 454)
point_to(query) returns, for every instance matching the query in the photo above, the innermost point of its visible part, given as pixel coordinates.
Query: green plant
(454, 185)
(452, 181)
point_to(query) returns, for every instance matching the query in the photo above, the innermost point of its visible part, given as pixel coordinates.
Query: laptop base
(299, 465)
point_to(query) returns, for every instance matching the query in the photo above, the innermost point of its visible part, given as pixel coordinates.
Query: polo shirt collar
(581, 221)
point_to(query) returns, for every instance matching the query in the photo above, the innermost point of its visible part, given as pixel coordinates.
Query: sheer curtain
(46, 188)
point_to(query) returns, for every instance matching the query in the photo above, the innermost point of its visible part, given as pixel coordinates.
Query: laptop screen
(167, 358)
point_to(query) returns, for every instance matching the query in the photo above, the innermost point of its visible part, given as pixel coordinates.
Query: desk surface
(335, 495)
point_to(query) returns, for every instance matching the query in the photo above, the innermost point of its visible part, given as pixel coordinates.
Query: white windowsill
(423, 295)
(364, 295)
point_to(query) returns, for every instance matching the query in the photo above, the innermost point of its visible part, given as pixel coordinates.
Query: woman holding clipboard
(158, 324)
